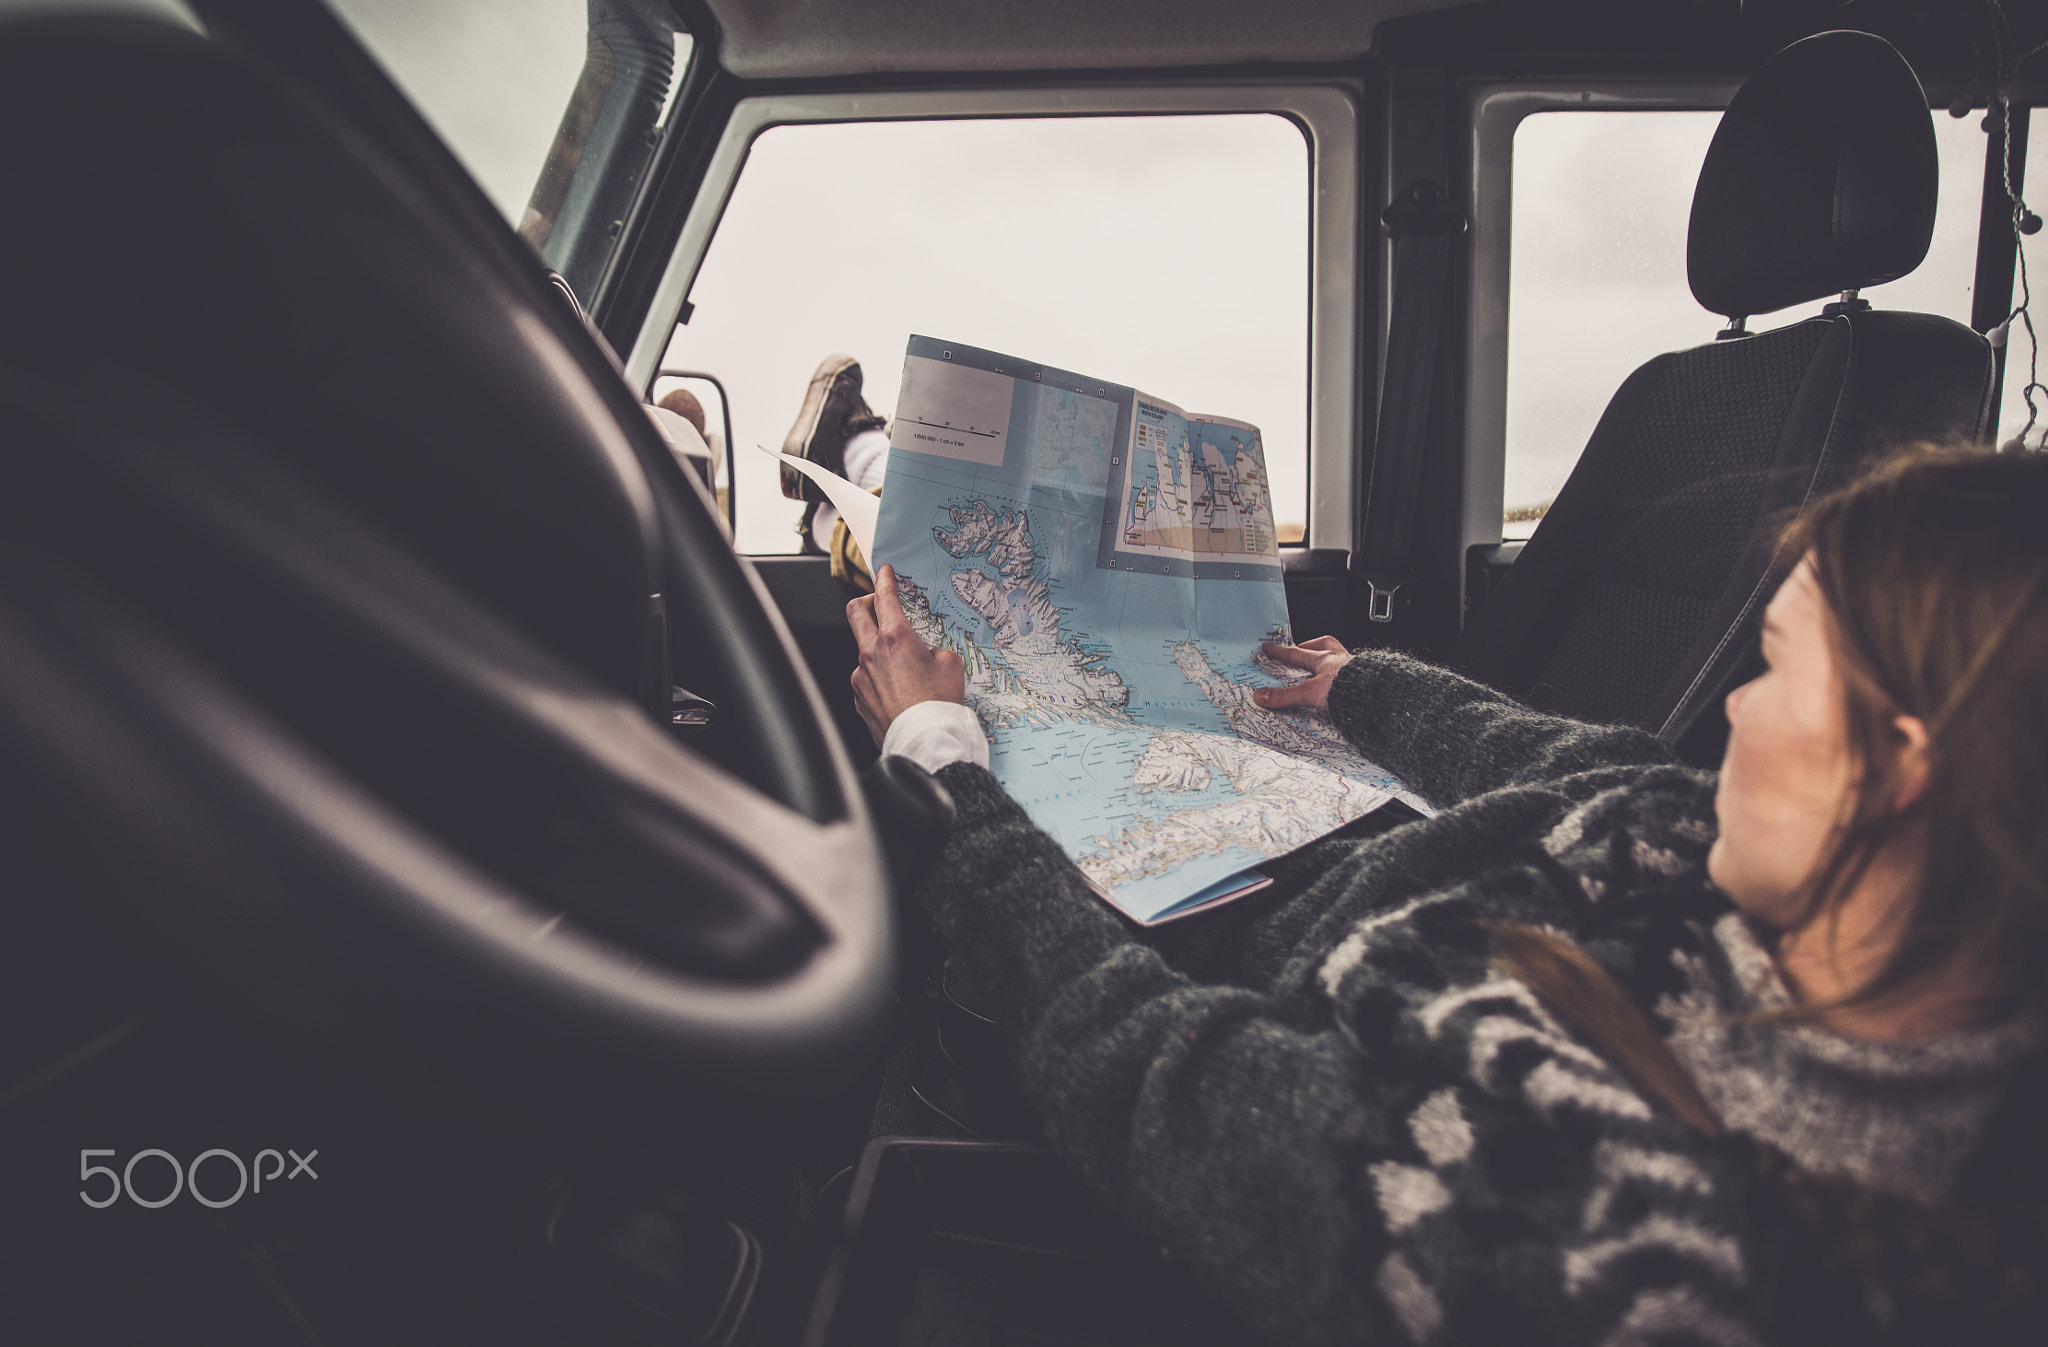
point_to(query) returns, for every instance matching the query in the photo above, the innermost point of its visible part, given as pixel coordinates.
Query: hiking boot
(819, 435)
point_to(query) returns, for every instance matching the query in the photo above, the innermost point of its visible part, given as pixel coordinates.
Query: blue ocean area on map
(1114, 684)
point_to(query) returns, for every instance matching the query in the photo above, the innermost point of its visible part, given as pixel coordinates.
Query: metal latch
(1381, 606)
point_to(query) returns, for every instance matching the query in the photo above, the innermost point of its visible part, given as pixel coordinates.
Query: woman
(1609, 1049)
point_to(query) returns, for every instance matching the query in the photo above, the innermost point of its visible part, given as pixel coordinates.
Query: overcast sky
(1167, 253)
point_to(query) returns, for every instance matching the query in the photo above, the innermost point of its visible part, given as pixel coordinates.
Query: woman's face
(1787, 774)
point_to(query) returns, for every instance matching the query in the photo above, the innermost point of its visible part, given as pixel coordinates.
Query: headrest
(1821, 178)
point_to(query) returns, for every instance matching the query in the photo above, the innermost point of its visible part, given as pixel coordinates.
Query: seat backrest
(1639, 597)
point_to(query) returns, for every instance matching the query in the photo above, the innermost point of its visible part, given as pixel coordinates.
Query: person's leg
(832, 408)
(867, 452)
(866, 457)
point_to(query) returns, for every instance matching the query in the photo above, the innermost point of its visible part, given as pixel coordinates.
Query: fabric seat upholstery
(1639, 597)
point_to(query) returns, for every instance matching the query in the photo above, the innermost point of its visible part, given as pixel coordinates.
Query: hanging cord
(2024, 224)
(2019, 217)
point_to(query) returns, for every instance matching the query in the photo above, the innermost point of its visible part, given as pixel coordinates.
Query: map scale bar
(948, 425)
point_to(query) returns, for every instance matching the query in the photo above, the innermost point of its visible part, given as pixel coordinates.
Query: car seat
(1639, 598)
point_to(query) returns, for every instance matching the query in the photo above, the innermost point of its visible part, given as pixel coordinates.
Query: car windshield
(554, 106)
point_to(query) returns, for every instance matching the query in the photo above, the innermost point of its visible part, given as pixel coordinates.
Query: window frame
(1494, 112)
(1327, 114)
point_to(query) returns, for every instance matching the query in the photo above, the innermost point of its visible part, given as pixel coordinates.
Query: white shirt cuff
(934, 734)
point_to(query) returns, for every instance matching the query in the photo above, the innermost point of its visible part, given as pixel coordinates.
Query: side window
(1597, 273)
(552, 105)
(1165, 252)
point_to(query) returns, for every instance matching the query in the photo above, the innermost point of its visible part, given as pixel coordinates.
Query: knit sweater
(1359, 1131)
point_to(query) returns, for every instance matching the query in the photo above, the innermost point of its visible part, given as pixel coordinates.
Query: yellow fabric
(847, 562)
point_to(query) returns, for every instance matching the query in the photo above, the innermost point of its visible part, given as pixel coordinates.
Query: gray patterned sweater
(1344, 1118)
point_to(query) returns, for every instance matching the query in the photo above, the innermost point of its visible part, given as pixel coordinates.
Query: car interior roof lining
(761, 39)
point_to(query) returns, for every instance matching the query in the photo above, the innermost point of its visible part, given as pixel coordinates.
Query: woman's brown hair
(1935, 573)
(1934, 570)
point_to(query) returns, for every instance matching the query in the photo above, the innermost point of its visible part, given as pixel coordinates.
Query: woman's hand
(896, 670)
(1322, 657)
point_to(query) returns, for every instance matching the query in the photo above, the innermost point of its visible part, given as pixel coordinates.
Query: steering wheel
(346, 623)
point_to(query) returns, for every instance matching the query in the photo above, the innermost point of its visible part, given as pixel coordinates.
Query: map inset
(1197, 489)
(1117, 699)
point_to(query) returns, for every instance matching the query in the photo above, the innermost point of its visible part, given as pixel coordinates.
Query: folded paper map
(1107, 567)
